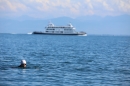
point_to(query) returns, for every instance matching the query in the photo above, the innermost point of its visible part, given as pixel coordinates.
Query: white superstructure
(51, 28)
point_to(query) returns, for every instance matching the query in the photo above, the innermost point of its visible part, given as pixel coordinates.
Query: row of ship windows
(55, 29)
(59, 27)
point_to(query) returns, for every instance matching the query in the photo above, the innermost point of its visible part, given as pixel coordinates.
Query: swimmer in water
(23, 64)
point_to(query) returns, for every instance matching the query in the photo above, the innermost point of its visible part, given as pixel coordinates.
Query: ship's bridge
(70, 25)
(50, 25)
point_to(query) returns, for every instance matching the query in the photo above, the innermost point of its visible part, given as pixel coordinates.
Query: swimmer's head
(23, 63)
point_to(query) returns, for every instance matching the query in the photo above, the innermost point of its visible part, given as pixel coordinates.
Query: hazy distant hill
(118, 25)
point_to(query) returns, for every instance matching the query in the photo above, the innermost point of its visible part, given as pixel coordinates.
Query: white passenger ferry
(51, 29)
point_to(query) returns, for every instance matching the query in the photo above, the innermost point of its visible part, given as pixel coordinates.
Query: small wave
(83, 35)
(29, 33)
(13, 33)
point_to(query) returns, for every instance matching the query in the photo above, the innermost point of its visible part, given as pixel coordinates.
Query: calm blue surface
(64, 60)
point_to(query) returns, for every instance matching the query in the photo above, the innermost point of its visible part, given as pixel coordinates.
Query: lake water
(55, 60)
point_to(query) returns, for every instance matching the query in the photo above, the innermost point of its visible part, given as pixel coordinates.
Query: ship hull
(43, 33)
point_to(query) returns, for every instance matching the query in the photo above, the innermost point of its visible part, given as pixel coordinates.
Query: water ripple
(65, 60)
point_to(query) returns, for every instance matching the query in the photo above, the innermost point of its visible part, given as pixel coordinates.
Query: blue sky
(58, 8)
(49, 9)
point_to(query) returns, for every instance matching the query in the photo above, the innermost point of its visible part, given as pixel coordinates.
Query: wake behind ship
(51, 29)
